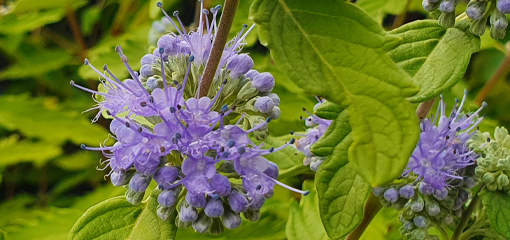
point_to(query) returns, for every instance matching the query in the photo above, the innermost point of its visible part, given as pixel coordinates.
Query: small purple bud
(391, 195)
(239, 65)
(275, 97)
(407, 191)
(195, 200)
(275, 113)
(121, 178)
(264, 104)
(469, 183)
(378, 191)
(447, 6)
(272, 170)
(146, 71)
(257, 202)
(214, 208)
(166, 175)
(251, 74)
(220, 185)
(231, 219)
(441, 194)
(148, 59)
(188, 213)
(152, 83)
(463, 195)
(503, 6)
(202, 223)
(237, 201)
(417, 205)
(139, 182)
(167, 198)
(433, 209)
(476, 9)
(421, 221)
(408, 225)
(263, 82)
(425, 188)
(114, 126)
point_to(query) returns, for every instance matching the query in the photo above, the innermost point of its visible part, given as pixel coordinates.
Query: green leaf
(436, 57)
(328, 110)
(116, 218)
(309, 44)
(378, 8)
(20, 23)
(285, 158)
(342, 192)
(304, 219)
(498, 210)
(13, 152)
(38, 64)
(41, 118)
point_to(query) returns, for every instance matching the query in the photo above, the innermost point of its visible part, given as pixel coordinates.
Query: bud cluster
(494, 162)
(478, 10)
(316, 127)
(420, 207)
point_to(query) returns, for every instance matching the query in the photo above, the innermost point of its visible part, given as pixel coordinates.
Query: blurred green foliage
(47, 182)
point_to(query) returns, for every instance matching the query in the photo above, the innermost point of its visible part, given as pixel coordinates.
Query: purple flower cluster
(442, 150)
(183, 141)
(316, 128)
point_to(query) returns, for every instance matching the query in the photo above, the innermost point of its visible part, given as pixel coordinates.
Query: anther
(488, 139)
(143, 104)
(162, 149)
(292, 140)
(172, 109)
(139, 130)
(268, 119)
(225, 154)
(71, 83)
(258, 187)
(179, 107)
(484, 104)
(231, 143)
(271, 149)
(291, 133)
(224, 81)
(176, 13)
(224, 108)
(222, 149)
(241, 150)
(458, 129)
(306, 193)
(83, 147)
(191, 58)
(178, 135)
(127, 124)
(159, 4)
(161, 50)
(86, 61)
(108, 113)
(151, 99)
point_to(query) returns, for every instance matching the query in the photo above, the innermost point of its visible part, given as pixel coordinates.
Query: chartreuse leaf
(37, 64)
(285, 158)
(41, 118)
(309, 44)
(436, 57)
(378, 8)
(342, 192)
(116, 218)
(498, 210)
(13, 152)
(304, 219)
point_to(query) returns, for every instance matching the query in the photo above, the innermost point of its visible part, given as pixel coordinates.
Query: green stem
(293, 171)
(442, 231)
(372, 207)
(466, 215)
(220, 39)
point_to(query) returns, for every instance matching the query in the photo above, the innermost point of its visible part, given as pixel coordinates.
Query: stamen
(134, 75)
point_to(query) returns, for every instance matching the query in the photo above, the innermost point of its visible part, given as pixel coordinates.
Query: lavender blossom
(165, 131)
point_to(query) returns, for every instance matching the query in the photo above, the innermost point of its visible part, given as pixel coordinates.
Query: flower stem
(500, 74)
(75, 28)
(466, 215)
(220, 39)
(424, 108)
(372, 207)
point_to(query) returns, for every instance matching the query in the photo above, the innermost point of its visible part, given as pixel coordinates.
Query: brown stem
(227, 17)
(75, 28)
(400, 19)
(500, 73)
(372, 207)
(466, 215)
(43, 185)
(424, 108)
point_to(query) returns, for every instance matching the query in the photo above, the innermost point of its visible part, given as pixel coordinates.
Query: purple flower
(442, 150)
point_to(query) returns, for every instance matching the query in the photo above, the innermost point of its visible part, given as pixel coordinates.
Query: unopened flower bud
(448, 6)
(275, 98)
(275, 113)
(419, 234)
(231, 219)
(429, 5)
(148, 59)
(475, 9)
(121, 178)
(216, 227)
(152, 83)
(237, 201)
(478, 26)
(433, 208)
(239, 65)
(421, 221)
(457, 204)
(264, 104)
(425, 188)
(469, 183)
(139, 182)
(188, 213)
(498, 24)
(407, 191)
(408, 225)
(134, 197)
(180, 224)
(448, 219)
(251, 74)
(272, 170)
(263, 82)
(399, 204)
(489, 177)
(257, 202)
(147, 165)
(202, 223)
(503, 6)
(195, 200)
(146, 71)
(503, 180)
(220, 185)
(213, 208)
(441, 194)
(252, 215)
(447, 20)
(378, 191)
(164, 212)
(167, 198)
(314, 165)
(417, 204)
(391, 195)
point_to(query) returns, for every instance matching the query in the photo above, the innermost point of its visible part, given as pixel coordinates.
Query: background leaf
(309, 44)
(498, 210)
(436, 57)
